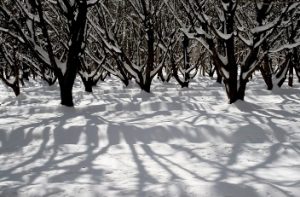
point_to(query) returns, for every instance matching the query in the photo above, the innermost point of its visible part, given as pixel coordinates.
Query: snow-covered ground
(174, 142)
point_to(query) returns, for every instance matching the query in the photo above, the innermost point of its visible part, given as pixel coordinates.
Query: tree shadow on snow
(64, 149)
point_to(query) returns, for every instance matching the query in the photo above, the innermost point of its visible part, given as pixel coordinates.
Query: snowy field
(173, 142)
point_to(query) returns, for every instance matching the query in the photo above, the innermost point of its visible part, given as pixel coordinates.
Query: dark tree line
(57, 40)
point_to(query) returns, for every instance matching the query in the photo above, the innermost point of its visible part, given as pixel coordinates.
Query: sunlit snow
(173, 142)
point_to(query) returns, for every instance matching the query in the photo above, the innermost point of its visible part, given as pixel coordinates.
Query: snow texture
(173, 142)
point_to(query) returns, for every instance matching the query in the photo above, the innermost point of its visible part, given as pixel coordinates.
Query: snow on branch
(286, 46)
(266, 27)
(92, 2)
(7, 31)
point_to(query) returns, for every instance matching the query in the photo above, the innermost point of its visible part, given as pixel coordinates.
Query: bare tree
(291, 63)
(65, 65)
(142, 59)
(222, 29)
(9, 67)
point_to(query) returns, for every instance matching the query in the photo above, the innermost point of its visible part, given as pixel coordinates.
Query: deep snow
(173, 142)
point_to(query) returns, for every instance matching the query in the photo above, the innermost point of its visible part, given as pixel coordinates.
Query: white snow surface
(120, 141)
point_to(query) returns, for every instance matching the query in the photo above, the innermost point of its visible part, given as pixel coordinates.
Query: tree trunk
(242, 89)
(186, 62)
(66, 94)
(232, 68)
(185, 84)
(123, 73)
(160, 75)
(231, 81)
(150, 62)
(146, 87)
(16, 90)
(211, 71)
(67, 80)
(266, 72)
(283, 70)
(25, 72)
(291, 75)
(231, 90)
(66, 83)
(175, 73)
(296, 63)
(219, 77)
(88, 85)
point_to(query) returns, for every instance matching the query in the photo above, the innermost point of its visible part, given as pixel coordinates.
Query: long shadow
(225, 171)
(54, 162)
(131, 133)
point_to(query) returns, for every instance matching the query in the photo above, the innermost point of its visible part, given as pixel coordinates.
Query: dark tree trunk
(219, 77)
(145, 87)
(291, 75)
(242, 89)
(51, 82)
(66, 94)
(296, 63)
(266, 72)
(231, 67)
(16, 90)
(146, 80)
(150, 62)
(88, 84)
(121, 66)
(231, 82)
(175, 73)
(26, 76)
(26, 71)
(22, 81)
(67, 80)
(148, 25)
(186, 62)
(185, 84)
(231, 89)
(212, 71)
(283, 70)
(160, 75)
